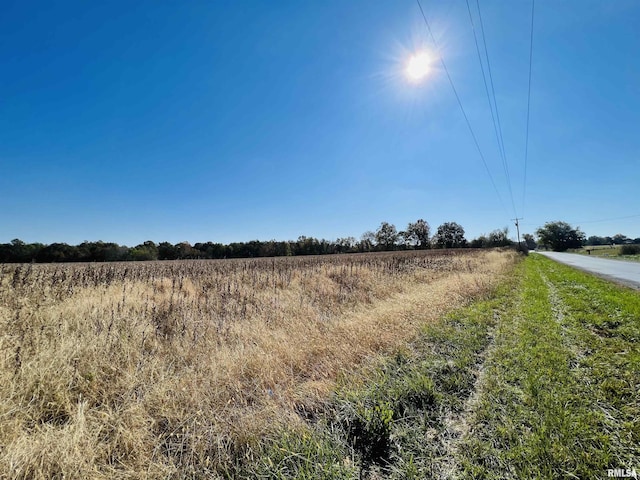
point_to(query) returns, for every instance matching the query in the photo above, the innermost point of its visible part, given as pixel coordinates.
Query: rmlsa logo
(622, 473)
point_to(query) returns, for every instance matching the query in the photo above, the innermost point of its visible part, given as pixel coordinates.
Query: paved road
(619, 271)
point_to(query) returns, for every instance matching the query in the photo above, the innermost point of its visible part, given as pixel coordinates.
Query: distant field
(184, 369)
(410, 365)
(606, 251)
(599, 250)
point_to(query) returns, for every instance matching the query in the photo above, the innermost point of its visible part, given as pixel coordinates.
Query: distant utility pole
(517, 228)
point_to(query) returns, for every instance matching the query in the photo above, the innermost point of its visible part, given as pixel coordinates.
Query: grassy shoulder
(538, 381)
(560, 398)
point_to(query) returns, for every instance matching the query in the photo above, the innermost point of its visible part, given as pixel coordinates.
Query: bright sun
(418, 67)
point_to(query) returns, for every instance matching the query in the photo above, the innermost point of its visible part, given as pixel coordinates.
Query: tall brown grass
(175, 369)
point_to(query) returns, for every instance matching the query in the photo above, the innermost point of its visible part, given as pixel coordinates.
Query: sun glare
(418, 67)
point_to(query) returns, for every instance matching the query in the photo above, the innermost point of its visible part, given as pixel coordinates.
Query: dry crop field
(178, 369)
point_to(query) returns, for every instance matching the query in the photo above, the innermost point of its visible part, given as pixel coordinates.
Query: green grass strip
(560, 398)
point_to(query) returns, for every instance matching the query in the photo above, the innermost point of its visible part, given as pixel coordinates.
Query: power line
(455, 92)
(609, 219)
(601, 220)
(526, 143)
(497, 128)
(493, 91)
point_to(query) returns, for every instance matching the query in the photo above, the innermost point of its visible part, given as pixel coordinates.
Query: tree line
(561, 236)
(417, 235)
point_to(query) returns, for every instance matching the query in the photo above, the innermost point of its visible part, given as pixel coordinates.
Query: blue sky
(238, 120)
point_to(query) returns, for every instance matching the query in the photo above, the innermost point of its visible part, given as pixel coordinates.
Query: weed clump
(630, 250)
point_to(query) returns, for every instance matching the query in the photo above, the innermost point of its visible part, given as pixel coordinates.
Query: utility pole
(517, 229)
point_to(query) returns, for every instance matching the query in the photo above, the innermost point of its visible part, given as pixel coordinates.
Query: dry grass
(175, 369)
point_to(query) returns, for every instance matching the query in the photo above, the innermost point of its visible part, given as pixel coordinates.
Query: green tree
(145, 251)
(344, 245)
(560, 236)
(386, 236)
(481, 242)
(186, 251)
(367, 241)
(58, 252)
(307, 246)
(450, 235)
(167, 251)
(595, 240)
(619, 239)
(417, 234)
(529, 241)
(499, 238)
